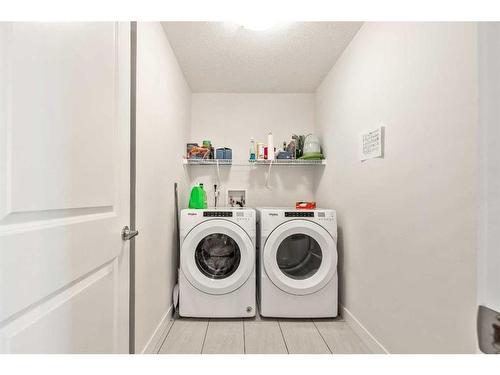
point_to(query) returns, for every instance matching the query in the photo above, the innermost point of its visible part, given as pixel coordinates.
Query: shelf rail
(252, 163)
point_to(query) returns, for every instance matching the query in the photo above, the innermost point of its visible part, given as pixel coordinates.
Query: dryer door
(217, 257)
(300, 257)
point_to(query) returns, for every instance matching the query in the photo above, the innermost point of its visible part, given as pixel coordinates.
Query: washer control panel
(244, 216)
(217, 214)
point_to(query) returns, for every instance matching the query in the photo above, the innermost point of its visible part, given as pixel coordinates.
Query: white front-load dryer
(297, 270)
(217, 263)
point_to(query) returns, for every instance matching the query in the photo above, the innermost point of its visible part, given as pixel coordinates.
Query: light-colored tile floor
(261, 336)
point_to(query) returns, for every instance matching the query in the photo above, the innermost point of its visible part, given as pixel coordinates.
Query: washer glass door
(300, 257)
(217, 256)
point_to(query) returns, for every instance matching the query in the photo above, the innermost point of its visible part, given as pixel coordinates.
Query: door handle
(128, 234)
(488, 328)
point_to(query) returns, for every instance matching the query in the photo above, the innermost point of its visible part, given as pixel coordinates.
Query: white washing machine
(297, 270)
(217, 263)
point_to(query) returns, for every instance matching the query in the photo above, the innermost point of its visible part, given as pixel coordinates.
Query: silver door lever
(128, 234)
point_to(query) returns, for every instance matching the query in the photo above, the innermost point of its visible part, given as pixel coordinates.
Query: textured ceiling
(225, 57)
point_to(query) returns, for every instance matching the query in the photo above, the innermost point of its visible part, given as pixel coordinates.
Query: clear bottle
(252, 149)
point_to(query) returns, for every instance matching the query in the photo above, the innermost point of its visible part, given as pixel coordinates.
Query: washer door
(300, 257)
(217, 257)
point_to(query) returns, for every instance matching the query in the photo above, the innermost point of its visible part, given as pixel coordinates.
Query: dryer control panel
(299, 214)
(318, 215)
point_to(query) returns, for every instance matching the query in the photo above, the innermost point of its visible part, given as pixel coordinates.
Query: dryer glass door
(300, 257)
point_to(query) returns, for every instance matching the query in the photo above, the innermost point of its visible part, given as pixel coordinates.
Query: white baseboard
(373, 344)
(156, 339)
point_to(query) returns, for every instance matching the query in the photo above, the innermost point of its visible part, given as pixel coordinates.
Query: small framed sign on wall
(372, 144)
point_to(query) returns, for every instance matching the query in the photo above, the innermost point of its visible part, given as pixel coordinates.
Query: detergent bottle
(198, 198)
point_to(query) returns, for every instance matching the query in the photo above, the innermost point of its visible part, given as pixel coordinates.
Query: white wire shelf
(207, 161)
(287, 162)
(251, 163)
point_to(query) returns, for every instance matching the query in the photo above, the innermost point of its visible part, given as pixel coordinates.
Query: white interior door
(64, 187)
(489, 219)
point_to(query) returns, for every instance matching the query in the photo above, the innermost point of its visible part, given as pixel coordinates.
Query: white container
(270, 146)
(311, 144)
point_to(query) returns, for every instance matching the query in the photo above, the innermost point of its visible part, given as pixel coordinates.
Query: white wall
(163, 117)
(231, 120)
(407, 222)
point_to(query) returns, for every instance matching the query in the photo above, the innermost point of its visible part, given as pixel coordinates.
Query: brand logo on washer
(272, 214)
(192, 213)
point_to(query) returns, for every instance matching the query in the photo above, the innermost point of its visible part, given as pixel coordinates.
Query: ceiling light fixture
(257, 24)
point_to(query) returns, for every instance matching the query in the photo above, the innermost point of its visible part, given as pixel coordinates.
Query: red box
(305, 205)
